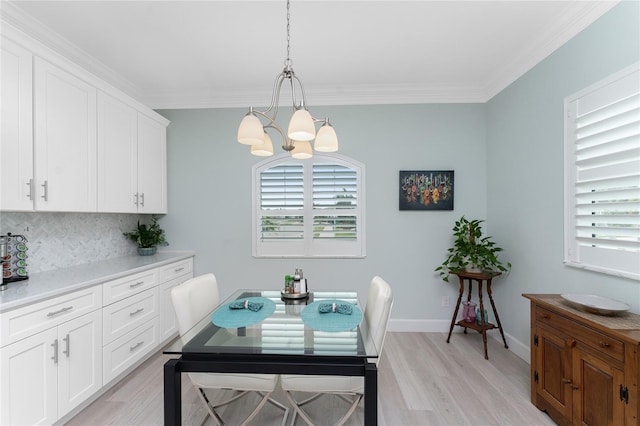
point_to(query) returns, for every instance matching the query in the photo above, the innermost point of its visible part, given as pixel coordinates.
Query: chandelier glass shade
(265, 149)
(302, 126)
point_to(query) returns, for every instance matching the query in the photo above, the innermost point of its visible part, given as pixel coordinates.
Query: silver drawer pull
(136, 312)
(61, 311)
(66, 340)
(55, 351)
(45, 185)
(136, 346)
(178, 269)
(30, 185)
(136, 284)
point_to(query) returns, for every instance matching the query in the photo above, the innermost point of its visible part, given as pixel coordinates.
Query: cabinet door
(65, 140)
(16, 148)
(152, 165)
(596, 398)
(168, 320)
(117, 156)
(28, 389)
(80, 360)
(554, 371)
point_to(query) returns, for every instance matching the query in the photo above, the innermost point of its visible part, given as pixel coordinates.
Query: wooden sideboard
(585, 368)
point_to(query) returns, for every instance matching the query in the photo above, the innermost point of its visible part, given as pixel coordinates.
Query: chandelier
(302, 126)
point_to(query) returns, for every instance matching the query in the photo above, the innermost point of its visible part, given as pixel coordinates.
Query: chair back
(378, 310)
(194, 299)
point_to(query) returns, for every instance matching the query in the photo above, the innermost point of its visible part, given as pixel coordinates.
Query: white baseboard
(442, 326)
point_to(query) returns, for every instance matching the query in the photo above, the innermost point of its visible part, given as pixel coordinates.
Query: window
(308, 208)
(602, 176)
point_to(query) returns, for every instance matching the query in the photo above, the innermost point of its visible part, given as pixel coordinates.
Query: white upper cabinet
(65, 140)
(71, 142)
(16, 148)
(117, 155)
(152, 165)
(132, 152)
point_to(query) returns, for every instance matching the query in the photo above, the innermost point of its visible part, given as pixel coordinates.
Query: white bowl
(597, 304)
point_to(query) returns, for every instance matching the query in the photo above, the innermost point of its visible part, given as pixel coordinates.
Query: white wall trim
(521, 349)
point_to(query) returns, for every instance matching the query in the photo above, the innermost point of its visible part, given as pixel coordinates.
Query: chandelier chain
(288, 61)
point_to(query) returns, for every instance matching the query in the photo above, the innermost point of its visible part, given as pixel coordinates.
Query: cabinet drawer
(592, 338)
(32, 319)
(176, 269)
(127, 350)
(122, 288)
(125, 315)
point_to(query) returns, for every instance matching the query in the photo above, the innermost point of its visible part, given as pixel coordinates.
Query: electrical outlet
(445, 301)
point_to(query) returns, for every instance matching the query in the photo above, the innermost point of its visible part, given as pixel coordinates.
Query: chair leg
(263, 401)
(354, 405)
(212, 412)
(211, 408)
(298, 407)
(280, 406)
(298, 410)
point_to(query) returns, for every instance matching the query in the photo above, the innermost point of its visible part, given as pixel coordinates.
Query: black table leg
(371, 394)
(172, 393)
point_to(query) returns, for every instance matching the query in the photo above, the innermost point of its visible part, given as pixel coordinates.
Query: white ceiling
(180, 54)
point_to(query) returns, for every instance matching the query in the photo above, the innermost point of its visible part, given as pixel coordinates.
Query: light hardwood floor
(422, 380)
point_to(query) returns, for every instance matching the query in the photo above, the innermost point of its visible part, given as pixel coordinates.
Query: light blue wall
(210, 198)
(525, 166)
(508, 161)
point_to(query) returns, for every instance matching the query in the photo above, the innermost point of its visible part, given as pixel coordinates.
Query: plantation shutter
(603, 143)
(282, 202)
(308, 208)
(335, 201)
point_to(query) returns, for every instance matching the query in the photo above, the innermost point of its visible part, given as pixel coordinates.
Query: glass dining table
(285, 336)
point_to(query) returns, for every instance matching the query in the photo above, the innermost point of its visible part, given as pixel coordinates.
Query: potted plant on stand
(471, 251)
(147, 237)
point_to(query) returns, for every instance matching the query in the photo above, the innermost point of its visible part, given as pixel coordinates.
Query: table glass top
(284, 332)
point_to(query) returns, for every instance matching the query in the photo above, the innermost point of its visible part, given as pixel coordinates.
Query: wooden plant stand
(480, 278)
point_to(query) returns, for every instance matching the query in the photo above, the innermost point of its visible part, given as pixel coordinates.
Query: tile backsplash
(59, 240)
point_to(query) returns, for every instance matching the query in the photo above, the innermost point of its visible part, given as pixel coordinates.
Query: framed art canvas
(426, 190)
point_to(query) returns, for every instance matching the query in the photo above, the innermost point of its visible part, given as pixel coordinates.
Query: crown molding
(36, 30)
(557, 34)
(364, 95)
(561, 31)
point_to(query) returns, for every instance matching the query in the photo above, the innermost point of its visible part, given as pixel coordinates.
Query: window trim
(310, 248)
(598, 259)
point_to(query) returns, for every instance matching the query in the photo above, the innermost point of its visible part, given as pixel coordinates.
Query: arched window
(308, 208)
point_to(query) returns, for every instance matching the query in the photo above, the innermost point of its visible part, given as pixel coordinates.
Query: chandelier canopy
(302, 126)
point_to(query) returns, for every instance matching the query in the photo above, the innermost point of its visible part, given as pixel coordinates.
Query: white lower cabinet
(79, 360)
(124, 316)
(57, 353)
(29, 385)
(171, 276)
(122, 353)
(137, 324)
(168, 320)
(46, 375)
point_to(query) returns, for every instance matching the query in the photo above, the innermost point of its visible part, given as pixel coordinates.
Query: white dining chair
(351, 388)
(193, 300)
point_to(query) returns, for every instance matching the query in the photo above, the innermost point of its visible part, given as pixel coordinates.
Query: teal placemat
(235, 318)
(330, 321)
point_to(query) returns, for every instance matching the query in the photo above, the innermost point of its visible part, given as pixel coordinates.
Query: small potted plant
(147, 237)
(471, 251)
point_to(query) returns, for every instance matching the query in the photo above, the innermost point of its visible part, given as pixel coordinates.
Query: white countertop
(48, 284)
